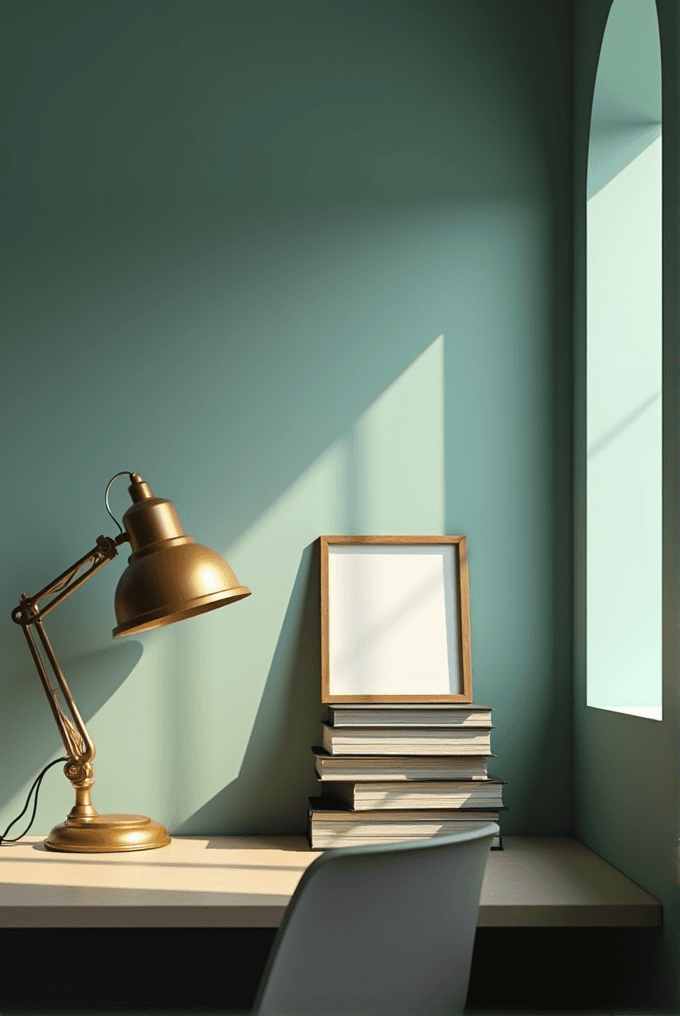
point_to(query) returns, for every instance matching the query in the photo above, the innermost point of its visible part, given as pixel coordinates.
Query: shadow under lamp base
(104, 834)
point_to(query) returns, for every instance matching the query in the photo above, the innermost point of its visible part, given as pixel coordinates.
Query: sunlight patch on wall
(386, 476)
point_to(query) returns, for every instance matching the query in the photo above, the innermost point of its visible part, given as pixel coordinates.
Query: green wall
(626, 792)
(306, 267)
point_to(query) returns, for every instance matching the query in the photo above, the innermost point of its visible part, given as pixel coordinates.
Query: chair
(382, 930)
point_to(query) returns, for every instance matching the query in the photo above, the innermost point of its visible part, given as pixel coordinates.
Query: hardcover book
(407, 740)
(415, 714)
(462, 794)
(406, 767)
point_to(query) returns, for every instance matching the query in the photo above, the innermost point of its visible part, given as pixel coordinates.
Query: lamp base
(107, 834)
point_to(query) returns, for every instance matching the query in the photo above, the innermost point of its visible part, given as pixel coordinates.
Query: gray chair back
(380, 930)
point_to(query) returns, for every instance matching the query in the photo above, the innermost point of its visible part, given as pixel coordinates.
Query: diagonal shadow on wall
(277, 773)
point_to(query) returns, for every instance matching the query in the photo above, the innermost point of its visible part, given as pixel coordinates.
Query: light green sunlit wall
(624, 367)
(305, 267)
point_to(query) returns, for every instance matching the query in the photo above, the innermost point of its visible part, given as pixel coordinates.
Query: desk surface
(238, 881)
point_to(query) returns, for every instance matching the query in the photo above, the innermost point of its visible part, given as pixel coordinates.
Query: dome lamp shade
(169, 576)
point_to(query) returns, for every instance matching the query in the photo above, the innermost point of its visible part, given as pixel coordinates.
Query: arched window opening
(624, 368)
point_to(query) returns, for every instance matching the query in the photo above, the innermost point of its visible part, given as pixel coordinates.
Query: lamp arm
(76, 740)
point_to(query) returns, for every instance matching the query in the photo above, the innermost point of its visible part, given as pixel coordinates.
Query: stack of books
(402, 772)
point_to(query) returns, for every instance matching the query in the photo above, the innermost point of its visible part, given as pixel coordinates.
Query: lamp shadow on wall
(277, 773)
(93, 678)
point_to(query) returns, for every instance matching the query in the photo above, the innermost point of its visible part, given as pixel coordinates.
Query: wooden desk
(236, 881)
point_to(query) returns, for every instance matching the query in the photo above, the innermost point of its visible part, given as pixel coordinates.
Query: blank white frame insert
(395, 619)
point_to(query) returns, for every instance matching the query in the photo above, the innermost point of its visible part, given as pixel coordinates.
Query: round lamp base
(107, 834)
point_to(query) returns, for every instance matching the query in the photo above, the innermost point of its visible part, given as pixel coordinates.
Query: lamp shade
(169, 576)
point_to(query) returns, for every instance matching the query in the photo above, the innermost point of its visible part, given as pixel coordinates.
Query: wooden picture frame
(395, 619)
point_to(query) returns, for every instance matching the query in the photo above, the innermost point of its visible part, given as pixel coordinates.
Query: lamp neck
(139, 490)
(150, 520)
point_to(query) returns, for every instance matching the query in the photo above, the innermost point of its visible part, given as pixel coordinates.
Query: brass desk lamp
(169, 577)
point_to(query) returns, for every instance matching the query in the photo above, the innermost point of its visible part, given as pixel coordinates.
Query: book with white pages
(460, 794)
(407, 740)
(415, 714)
(405, 768)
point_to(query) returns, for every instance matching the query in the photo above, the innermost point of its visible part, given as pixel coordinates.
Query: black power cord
(36, 787)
